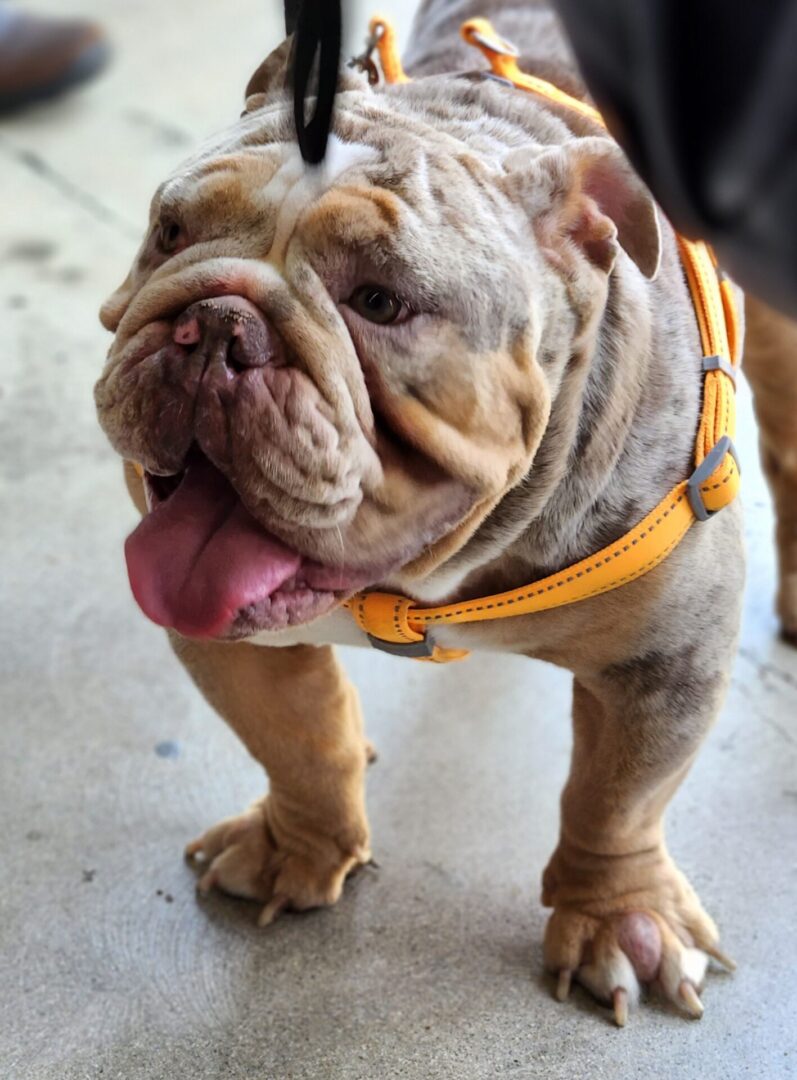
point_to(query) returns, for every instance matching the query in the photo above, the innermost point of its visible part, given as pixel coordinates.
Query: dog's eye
(376, 305)
(170, 235)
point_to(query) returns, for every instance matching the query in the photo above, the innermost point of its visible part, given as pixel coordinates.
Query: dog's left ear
(586, 193)
(270, 77)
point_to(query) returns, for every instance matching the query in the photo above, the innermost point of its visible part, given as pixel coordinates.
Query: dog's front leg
(624, 915)
(299, 716)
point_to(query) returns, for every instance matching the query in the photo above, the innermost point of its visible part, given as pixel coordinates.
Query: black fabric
(291, 15)
(316, 59)
(702, 94)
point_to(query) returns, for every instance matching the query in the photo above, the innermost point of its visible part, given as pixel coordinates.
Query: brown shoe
(42, 57)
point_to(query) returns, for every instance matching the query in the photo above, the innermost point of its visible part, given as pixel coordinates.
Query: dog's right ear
(271, 77)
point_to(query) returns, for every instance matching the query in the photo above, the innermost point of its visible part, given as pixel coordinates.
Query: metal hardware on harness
(415, 650)
(710, 462)
(720, 363)
(494, 44)
(365, 61)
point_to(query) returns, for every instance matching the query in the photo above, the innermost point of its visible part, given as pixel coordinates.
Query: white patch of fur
(439, 585)
(337, 628)
(296, 185)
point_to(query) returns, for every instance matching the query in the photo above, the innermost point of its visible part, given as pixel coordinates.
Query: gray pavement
(109, 761)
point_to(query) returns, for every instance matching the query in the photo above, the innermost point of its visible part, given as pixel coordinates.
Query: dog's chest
(337, 628)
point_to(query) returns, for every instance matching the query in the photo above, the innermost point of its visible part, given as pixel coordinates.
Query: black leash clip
(317, 45)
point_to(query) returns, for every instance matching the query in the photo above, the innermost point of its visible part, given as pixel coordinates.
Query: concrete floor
(431, 965)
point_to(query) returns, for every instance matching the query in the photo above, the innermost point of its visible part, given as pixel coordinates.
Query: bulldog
(459, 355)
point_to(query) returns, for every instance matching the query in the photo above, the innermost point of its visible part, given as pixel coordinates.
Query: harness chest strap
(397, 625)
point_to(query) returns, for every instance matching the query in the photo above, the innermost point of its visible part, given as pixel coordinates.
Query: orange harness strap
(397, 625)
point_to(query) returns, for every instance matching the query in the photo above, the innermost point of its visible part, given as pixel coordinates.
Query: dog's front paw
(658, 937)
(249, 856)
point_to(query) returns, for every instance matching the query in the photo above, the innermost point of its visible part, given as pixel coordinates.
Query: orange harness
(395, 623)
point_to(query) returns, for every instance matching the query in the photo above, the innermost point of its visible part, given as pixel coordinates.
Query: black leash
(317, 28)
(291, 15)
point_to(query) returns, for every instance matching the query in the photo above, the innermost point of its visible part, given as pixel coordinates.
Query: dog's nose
(232, 326)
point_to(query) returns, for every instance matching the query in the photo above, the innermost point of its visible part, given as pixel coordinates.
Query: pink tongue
(200, 557)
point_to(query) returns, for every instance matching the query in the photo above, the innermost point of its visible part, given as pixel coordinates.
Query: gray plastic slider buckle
(415, 650)
(710, 462)
(720, 363)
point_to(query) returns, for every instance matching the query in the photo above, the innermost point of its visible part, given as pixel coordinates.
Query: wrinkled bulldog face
(330, 375)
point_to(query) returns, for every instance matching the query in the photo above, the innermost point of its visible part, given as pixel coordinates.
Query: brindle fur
(588, 418)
